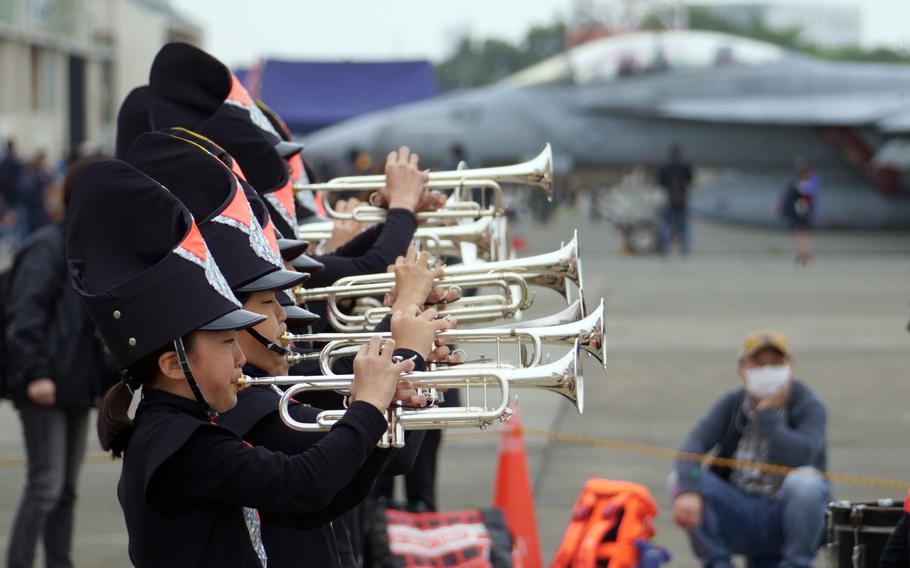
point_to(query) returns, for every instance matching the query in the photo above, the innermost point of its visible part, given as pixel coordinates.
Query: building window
(45, 79)
(108, 105)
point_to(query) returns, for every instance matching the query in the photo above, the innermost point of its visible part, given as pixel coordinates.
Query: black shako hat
(192, 89)
(213, 194)
(291, 250)
(132, 119)
(297, 318)
(139, 261)
(191, 85)
(305, 201)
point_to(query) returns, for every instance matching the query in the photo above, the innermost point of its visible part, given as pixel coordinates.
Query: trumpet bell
(563, 377)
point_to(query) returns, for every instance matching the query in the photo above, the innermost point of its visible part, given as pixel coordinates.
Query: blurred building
(825, 26)
(67, 64)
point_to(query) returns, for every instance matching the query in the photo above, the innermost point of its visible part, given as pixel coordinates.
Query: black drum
(857, 532)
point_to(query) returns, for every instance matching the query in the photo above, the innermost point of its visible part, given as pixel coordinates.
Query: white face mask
(762, 382)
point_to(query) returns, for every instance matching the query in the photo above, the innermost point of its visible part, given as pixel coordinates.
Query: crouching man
(771, 518)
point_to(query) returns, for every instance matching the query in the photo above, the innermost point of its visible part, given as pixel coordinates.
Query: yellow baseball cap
(761, 339)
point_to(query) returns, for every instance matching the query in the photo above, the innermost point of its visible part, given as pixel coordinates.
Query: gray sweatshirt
(794, 440)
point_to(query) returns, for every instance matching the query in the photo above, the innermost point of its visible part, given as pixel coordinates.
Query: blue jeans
(675, 222)
(784, 530)
(55, 441)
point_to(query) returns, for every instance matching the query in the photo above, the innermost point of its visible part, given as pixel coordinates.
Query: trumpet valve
(509, 410)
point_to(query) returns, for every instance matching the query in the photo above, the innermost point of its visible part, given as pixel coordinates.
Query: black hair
(114, 424)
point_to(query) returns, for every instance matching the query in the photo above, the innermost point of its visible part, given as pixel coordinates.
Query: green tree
(476, 63)
(703, 18)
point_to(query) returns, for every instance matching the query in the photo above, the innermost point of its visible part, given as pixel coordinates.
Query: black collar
(156, 399)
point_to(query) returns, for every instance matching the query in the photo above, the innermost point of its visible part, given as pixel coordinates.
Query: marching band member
(168, 317)
(254, 273)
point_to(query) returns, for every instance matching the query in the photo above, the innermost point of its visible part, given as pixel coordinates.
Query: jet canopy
(643, 53)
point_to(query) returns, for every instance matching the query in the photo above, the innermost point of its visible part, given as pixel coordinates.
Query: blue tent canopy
(311, 95)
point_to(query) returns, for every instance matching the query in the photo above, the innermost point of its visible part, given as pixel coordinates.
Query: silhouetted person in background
(30, 189)
(56, 368)
(675, 177)
(798, 205)
(10, 170)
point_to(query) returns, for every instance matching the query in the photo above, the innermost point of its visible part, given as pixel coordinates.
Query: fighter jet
(742, 110)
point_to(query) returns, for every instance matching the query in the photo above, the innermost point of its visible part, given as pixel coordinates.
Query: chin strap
(270, 345)
(185, 364)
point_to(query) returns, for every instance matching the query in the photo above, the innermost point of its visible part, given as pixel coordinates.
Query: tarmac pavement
(673, 330)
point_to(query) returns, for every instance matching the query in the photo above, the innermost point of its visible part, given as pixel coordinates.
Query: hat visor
(292, 248)
(284, 298)
(307, 264)
(236, 319)
(298, 316)
(276, 280)
(287, 149)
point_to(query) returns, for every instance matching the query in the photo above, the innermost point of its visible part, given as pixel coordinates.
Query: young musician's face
(216, 359)
(264, 303)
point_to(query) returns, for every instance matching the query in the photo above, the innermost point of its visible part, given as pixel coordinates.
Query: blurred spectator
(361, 162)
(10, 170)
(56, 368)
(456, 156)
(675, 177)
(896, 553)
(771, 518)
(798, 205)
(32, 183)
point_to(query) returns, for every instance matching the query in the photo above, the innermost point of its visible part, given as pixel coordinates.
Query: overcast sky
(401, 29)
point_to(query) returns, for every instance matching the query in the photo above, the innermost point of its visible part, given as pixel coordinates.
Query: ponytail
(114, 424)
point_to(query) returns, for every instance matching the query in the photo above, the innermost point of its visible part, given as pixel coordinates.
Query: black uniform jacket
(256, 420)
(185, 481)
(896, 553)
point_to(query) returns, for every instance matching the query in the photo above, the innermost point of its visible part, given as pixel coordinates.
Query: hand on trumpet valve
(408, 396)
(430, 201)
(416, 331)
(376, 376)
(413, 280)
(405, 184)
(441, 295)
(343, 230)
(442, 353)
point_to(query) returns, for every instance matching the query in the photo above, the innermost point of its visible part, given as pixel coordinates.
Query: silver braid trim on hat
(260, 244)
(256, 116)
(307, 199)
(257, 239)
(212, 273)
(290, 217)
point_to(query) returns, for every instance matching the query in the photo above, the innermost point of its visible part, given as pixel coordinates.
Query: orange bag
(607, 520)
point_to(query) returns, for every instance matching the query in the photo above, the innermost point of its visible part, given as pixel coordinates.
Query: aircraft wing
(887, 111)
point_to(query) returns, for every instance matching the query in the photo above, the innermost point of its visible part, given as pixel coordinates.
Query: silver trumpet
(487, 234)
(537, 171)
(563, 377)
(571, 313)
(514, 296)
(455, 207)
(551, 270)
(587, 333)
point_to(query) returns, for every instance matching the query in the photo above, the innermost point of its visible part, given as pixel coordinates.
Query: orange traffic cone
(513, 495)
